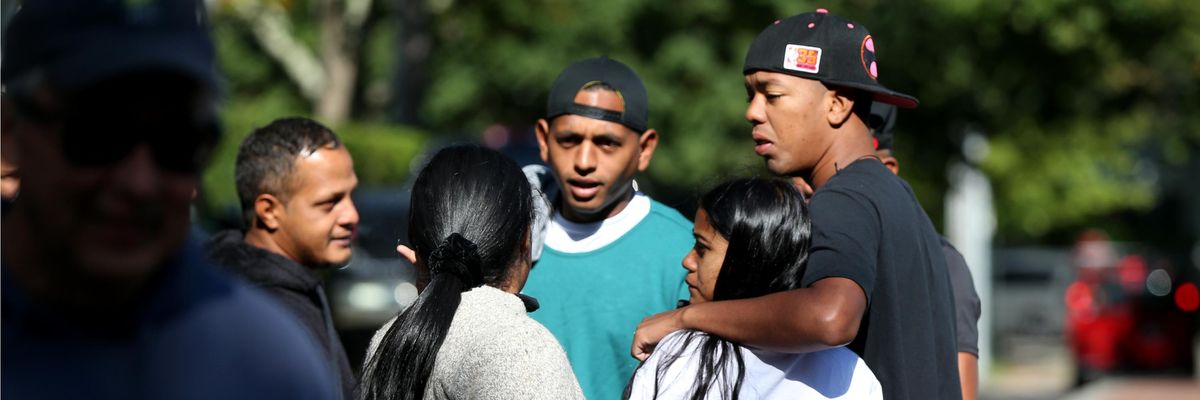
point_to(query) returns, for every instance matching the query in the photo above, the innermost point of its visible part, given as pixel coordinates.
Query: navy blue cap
(882, 121)
(823, 47)
(74, 43)
(583, 73)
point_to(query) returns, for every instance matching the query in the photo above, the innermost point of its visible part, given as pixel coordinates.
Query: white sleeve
(678, 378)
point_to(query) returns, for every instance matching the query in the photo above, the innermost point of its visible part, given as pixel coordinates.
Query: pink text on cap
(822, 11)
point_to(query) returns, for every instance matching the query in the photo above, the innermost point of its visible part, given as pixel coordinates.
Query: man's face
(789, 116)
(317, 222)
(95, 195)
(595, 160)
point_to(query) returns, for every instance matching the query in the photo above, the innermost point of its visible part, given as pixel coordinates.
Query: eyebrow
(605, 135)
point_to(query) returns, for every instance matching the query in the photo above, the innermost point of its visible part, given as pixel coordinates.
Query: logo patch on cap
(867, 54)
(802, 58)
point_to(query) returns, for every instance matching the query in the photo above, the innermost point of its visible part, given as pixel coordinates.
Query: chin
(335, 262)
(120, 264)
(590, 207)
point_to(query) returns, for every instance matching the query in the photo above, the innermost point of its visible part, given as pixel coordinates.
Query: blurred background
(1056, 143)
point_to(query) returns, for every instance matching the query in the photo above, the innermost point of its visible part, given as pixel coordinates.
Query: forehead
(588, 126)
(325, 170)
(702, 226)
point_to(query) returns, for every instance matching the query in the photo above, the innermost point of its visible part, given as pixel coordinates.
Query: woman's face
(704, 261)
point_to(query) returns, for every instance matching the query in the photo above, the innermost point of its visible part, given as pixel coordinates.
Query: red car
(1129, 311)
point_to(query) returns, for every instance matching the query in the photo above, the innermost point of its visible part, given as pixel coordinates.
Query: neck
(262, 239)
(852, 143)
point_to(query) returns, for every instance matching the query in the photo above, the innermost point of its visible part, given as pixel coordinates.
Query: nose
(350, 217)
(585, 158)
(689, 261)
(138, 174)
(755, 110)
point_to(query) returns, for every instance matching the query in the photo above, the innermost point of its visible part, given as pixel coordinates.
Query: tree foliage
(1082, 101)
(1086, 105)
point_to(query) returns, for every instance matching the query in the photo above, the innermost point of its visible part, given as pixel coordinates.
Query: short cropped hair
(266, 159)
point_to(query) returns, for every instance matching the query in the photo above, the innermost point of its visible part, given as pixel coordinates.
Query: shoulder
(675, 352)
(667, 216)
(498, 357)
(258, 338)
(671, 370)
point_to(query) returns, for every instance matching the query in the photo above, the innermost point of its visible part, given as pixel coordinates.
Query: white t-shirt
(573, 237)
(836, 373)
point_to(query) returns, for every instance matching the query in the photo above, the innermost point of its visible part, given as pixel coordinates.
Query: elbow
(837, 328)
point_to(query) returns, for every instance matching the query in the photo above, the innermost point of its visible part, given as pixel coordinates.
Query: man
(611, 254)
(966, 300)
(104, 297)
(294, 180)
(876, 279)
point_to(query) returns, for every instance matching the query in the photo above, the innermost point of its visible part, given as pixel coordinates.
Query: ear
(646, 145)
(542, 131)
(891, 163)
(268, 211)
(841, 106)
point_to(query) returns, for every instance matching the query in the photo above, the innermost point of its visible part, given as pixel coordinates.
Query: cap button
(822, 11)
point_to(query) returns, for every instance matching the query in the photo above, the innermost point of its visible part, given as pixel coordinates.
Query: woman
(467, 335)
(752, 238)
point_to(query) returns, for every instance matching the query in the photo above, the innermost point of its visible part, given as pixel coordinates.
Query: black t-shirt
(869, 228)
(966, 300)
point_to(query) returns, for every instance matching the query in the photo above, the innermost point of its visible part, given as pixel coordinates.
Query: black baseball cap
(72, 44)
(605, 70)
(824, 47)
(882, 121)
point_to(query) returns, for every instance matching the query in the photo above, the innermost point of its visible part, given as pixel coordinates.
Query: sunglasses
(93, 138)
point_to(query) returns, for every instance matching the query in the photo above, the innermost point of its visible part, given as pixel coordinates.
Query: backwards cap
(591, 71)
(882, 121)
(75, 43)
(823, 47)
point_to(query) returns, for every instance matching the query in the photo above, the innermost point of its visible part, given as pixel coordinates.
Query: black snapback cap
(882, 122)
(591, 71)
(823, 47)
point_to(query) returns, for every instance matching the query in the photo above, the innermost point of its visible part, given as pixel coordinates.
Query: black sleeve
(966, 301)
(846, 235)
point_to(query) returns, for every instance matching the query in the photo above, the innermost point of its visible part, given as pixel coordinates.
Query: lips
(761, 144)
(583, 189)
(343, 241)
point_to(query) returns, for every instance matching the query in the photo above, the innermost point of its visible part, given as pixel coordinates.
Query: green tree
(1081, 101)
(309, 58)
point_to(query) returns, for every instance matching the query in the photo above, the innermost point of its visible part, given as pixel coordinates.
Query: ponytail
(404, 359)
(467, 219)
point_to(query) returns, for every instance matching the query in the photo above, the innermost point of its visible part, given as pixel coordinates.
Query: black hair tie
(459, 257)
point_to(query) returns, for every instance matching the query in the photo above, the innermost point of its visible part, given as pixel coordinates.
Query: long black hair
(470, 212)
(767, 226)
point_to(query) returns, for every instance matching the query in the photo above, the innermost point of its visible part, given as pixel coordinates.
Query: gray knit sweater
(495, 351)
